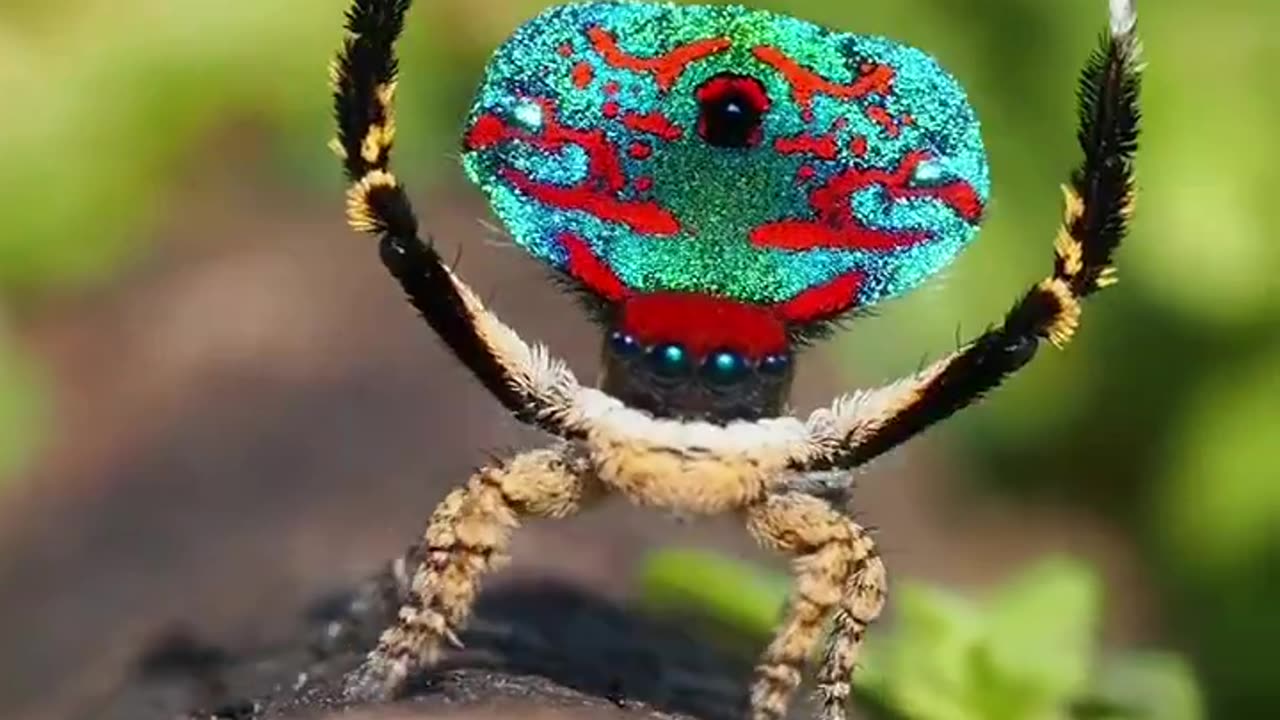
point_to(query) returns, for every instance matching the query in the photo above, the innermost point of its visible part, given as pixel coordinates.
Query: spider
(718, 185)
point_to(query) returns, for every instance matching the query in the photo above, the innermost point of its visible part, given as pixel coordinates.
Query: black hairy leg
(1099, 202)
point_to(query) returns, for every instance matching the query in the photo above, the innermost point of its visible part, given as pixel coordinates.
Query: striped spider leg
(780, 474)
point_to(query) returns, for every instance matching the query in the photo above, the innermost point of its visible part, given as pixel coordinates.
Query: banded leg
(1099, 204)
(828, 548)
(863, 599)
(467, 537)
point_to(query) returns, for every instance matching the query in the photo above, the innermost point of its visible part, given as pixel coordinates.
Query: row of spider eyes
(719, 366)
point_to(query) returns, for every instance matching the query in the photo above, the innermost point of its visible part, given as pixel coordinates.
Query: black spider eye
(725, 367)
(731, 110)
(623, 343)
(669, 359)
(775, 364)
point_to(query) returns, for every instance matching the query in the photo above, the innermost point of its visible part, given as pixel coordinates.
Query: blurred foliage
(1159, 417)
(1028, 652)
(22, 417)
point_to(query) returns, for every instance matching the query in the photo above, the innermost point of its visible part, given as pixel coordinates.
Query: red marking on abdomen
(958, 195)
(604, 166)
(488, 130)
(881, 116)
(703, 323)
(859, 146)
(654, 123)
(820, 146)
(805, 83)
(597, 194)
(583, 73)
(809, 235)
(667, 68)
(640, 151)
(590, 271)
(647, 218)
(836, 226)
(824, 301)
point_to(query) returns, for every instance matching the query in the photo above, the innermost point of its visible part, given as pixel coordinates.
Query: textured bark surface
(546, 651)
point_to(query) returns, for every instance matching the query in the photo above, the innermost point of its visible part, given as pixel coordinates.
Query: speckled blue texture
(551, 85)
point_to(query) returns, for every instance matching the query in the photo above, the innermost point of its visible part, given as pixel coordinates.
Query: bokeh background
(214, 406)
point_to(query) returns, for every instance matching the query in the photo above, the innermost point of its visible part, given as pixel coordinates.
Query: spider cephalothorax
(719, 184)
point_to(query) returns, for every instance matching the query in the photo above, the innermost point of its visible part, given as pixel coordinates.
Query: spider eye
(623, 343)
(775, 364)
(731, 109)
(669, 359)
(724, 367)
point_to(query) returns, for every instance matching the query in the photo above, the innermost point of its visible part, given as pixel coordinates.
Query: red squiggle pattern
(823, 147)
(824, 301)
(884, 119)
(654, 123)
(666, 69)
(806, 84)
(588, 269)
(702, 323)
(598, 194)
(836, 226)
(648, 218)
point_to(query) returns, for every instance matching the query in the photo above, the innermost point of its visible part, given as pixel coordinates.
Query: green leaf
(1044, 625)
(1149, 686)
(923, 668)
(1027, 653)
(734, 593)
(1022, 656)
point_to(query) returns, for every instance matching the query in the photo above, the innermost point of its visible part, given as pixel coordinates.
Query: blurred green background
(1157, 423)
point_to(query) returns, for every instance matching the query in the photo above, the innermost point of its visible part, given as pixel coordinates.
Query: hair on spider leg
(497, 457)
(656, 429)
(495, 236)
(456, 262)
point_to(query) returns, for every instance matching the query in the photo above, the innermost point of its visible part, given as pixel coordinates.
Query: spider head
(694, 355)
(723, 181)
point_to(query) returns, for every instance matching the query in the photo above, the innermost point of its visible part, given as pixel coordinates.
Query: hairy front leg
(468, 536)
(832, 556)
(860, 604)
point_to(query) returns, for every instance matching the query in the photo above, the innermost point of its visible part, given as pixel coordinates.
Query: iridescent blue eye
(669, 359)
(725, 367)
(775, 364)
(623, 344)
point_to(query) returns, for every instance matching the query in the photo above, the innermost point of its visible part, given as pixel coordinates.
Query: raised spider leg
(1099, 203)
(533, 386)
(836, 568)
(466, 538)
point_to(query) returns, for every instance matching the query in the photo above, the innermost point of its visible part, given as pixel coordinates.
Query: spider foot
(466, 538)
(837, 571)
(411, 645)
(378, 679)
